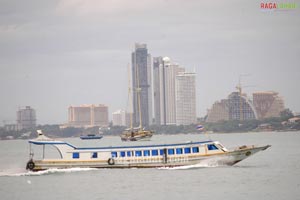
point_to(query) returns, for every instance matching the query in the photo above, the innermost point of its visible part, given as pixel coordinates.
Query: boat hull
(228, 158)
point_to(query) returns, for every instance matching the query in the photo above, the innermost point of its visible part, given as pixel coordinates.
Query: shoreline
(166, 134)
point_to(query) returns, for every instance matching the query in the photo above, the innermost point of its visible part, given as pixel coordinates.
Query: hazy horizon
(57, 53)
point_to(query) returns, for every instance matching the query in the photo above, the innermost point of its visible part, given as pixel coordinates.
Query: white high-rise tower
(186, 99)
(164, 76)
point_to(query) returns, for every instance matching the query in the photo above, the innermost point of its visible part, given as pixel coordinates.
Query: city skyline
(60, 53)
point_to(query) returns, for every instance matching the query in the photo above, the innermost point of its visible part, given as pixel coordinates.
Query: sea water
(269, 175)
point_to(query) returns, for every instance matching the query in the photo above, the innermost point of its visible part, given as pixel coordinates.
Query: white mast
(129, 96)
(138, 89)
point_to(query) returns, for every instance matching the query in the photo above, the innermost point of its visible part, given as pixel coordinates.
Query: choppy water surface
(271, 174)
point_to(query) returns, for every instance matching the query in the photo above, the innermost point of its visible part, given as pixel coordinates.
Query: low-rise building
(294, 120)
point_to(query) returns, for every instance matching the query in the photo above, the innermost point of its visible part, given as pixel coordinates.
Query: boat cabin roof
(54, 142)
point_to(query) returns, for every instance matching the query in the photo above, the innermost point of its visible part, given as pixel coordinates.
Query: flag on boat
(200, 127)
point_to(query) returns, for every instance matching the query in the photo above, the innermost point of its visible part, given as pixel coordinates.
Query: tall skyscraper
(158, 90)
(26, 118)
(164, 76)
(171, 71)
(141, 84)
(186, 98)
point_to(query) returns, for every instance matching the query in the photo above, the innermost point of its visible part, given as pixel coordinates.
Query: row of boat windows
(153, 152)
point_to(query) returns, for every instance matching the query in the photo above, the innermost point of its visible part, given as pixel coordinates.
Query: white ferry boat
(146, 156)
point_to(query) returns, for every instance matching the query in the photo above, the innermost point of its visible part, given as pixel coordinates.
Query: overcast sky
(57, 53)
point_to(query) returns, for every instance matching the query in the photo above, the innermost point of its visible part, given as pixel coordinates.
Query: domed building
(239, 107)
(235, 107)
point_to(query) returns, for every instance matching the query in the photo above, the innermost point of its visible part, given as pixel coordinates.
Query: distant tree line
(224, 127)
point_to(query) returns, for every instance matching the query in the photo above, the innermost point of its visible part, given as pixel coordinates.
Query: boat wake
(22, 172)
(207, 163)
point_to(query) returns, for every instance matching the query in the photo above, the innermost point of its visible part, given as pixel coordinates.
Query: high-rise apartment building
(172, 70)
(88, 116)
(26, 118)
(164, 76)
(186, 98)
(268, 104)
(141, 84)
(158, 91)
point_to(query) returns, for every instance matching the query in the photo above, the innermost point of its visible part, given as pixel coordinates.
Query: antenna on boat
(129, 96)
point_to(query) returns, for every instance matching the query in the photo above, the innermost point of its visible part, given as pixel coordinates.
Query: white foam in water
(207, 163)
(12, 172)
(199, 165)
(23, 172)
